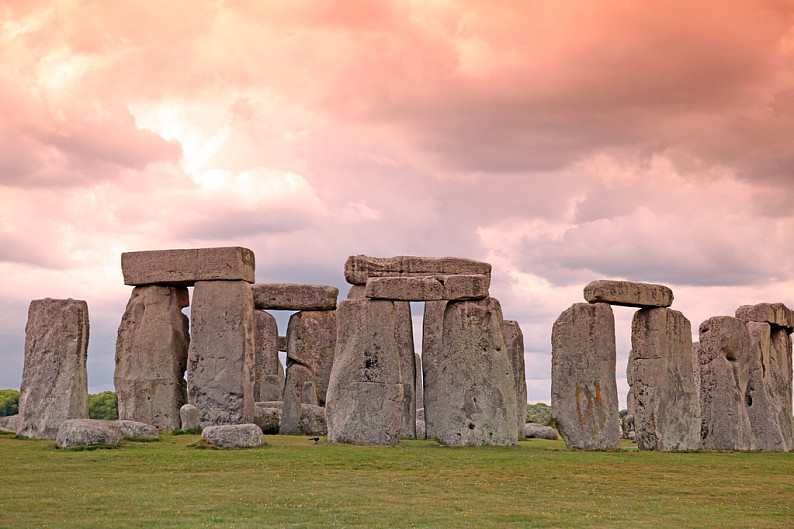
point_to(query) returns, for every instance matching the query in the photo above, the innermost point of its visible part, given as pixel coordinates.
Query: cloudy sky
(561, 141)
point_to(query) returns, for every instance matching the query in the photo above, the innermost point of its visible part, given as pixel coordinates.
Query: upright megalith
(724, 375)
(365, 392)
(404, 334)
(628, 294)
(665, 403)
(418, 384)
(54, 379)
(220, 371)
(475, 392)
(186, 267)
(151, 356)
(298, 375)
(514, 339)
(268, 371)
(311, 341)
(584, 397)
(432, 342)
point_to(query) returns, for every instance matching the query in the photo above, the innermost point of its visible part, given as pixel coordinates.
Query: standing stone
(365, 392)
(313, 420)
(309, 393)
(628, 294)
(297, 377)
(311, 340)
(515, 350)
(266, 362)
(696, 367)
(476, 395)
(54, 379)
(768, 395)
(432, 343)
(418, 389)
(724, 375)
(190, 417)
(405, 344)
(220, 371)
(666, 408)
(151, 356)
(584, 396)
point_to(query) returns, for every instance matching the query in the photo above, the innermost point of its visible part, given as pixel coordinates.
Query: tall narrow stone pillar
(418, 384)
(405, 344)
(268, 372)
(432, 343)
(515, 349)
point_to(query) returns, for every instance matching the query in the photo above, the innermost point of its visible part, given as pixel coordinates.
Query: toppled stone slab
(190, 417)
(359, 268)
(9, 423)
(313, 420)
(429, 288)
(137, 429)
(514, 339)
(538, 431)
(773, 313)
(234, 435)
(724, 375)
(186, 267)
(54, 378)
(291, 296)
(268, 371)
(268, 418)
(151, 356)
(584, 395)
(628, 294)
(87, 432)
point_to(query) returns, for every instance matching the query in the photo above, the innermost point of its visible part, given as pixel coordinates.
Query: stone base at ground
(268, 418)
(190, 417)
(9, 423)
(234, 435)
(87, 432)
(313, 420)
(137, 429)
(538, 431)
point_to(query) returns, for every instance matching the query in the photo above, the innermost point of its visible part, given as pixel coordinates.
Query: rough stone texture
(724, 374)
(359, 268)
(627, 427)
(290, 296)
(297, 376)
(404, 334)
(533, 430)
(420, 414)
(584, 397)
(666, 407)
(9, 423)
(357, 292)
(151, 356)
(54, 379)
(774, 313)
(267, 418)
(311, 340)
(432, 342)
(628, 294)
(428, 288)
(282, 343)
(234, 435)
(418, 385)
(190, 417)
(514, 339)
(266, 362)
(476, 395)
(768, 396)
(186, 267)
(313, 420)
(220, 371)
(696, 367)
(365, 393)
(309, 394)
(420, 429)
(87, 432)
(137, 429)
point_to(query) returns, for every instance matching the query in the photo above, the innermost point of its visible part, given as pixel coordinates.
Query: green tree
(539, 413)
(9, 402)
(103, 405)
(622, 413)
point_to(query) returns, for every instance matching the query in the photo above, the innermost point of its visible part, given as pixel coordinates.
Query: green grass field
(293, 482)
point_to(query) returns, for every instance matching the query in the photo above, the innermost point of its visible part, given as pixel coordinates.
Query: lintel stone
(429, 288)
(772, 313)
(359, 268)
(185, 267)
(628, 294)
(291, 296)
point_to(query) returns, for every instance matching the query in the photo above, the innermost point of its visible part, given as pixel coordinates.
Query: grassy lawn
(293, 482)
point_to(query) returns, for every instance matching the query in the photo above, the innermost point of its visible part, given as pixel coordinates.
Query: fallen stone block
(234, 435)
(186, 267)
(190, 417)
(773, 313)
(87, 432)
(290, 296)
(359, 268)
(538, 431)
(313, 420)
(9, 423)
(429, 288)
(267, 418)
(137, 429)
(628, 294)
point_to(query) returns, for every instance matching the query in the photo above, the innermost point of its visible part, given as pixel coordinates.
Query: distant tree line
(539, 413)
(9, 402)
(103, 405)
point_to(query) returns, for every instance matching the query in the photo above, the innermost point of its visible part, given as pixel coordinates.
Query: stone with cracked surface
(186, 267)
(87, 432)
(359, 268)
(294, 296)
(773, 313)
(432, 342)
(628, 294)
(246, 435)
(428, 288)
(137, 429)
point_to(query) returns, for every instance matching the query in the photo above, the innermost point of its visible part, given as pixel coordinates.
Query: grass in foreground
(293, 482)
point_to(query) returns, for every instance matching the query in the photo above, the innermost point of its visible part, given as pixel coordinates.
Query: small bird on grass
(315, 439)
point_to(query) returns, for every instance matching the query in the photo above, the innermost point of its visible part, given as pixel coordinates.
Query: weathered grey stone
(696, 367)
(476, 395)
(628, 294)
(292, 296)
(357, 292)
(234, 435)
(584, 397)
(9, 423)
(54, 379)
(533, 430)
(267, 418)
(309, 393)
(418, 385)
(359, 268)
(428, 288)
(774, 313)
(432, 343)
(313, 420)
(724, 374)
(420, 414)
(137, 429)
(420, 429)
(311, 340)
(220, 371)
(190, 417)
(666, 407)
(151, 356)
(268, 371)
(87, 432)
(282, 343)
(768, 396)
(627, 427)
(365, 392)
(186, 267)
(297, 376)
(514, 339)
(404, 334)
